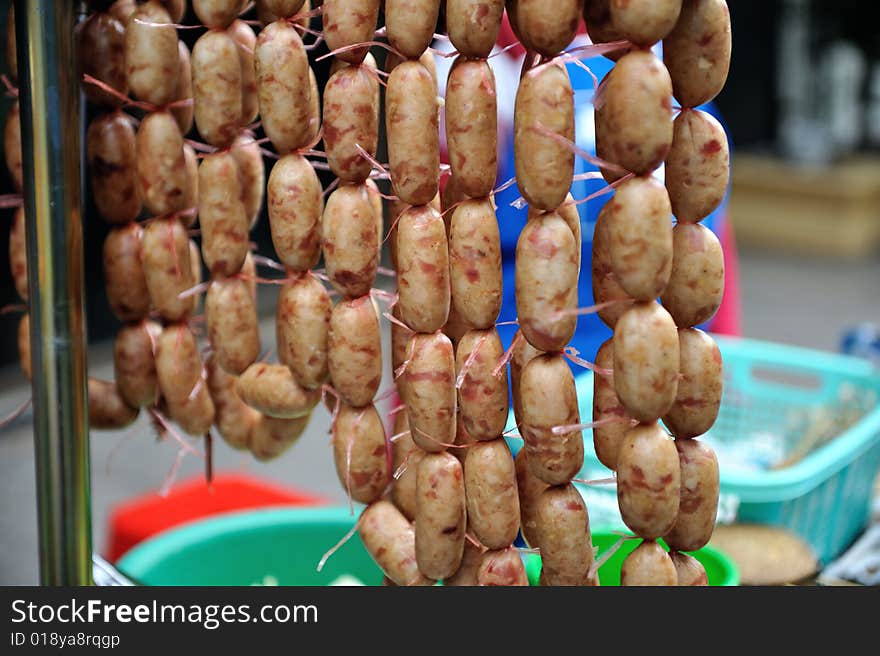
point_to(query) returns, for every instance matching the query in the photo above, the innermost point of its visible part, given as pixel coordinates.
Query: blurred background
(802, 108)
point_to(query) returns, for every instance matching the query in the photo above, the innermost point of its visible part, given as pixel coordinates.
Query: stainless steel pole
(50, 125)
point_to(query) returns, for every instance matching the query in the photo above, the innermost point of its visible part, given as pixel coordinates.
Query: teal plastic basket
(776, 394)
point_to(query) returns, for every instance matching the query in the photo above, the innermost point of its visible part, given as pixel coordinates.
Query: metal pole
(50, 125)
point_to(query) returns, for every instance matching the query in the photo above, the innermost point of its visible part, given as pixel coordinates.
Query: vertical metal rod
(50, 125)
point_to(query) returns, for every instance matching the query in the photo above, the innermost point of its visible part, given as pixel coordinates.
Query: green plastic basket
(776, 390)
(284, 546)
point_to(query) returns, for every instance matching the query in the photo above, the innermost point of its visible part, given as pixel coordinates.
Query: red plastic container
(142, 517)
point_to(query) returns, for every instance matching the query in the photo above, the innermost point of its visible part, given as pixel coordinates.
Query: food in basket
(766, 555)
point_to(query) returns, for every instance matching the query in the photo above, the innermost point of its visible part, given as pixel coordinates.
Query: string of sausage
(663, 367)
(13, 160)
(555, 518)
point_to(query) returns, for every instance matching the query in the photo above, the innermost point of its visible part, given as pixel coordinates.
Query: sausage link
(696, 284)
(607, 438)
(523, 353)
(475, 263)
(348, 23)
(216, 13)
(222, 215)
(180, 372)
(251, 175)
(360, 453)
(11, 51)
(644, 22)
(697, 166)
(282, 71)
(648, 565)
(546, 282)
(492, 500)
(302, 321)
(699, 496)
(406, 454)
(125, 280)
(646, 361)
(184, 114)
(273, 436)
(640, 237)
(472, 125)
(134, 363)
(246, 41)
(545, 26)
(482, 396)
(648, 481)
(161, 164)
(271, 389)
(568, 212)
(354, 350)
(112, 160)
(548, 400)
(191, 191)
(151, 57)
(689, 570)
(563, 527)
(544, 167)
(697, 51)
(269, 11)
(440, 515)
(217, 88)
(473, 25)
(351, 117)
(411, 117)
(234, 419)
(167, 266)
(12, 146)
(423, 269)
(349, 240)
(18, 253)
(468, 570)
(231, 317)
(101, 54)
(24, 345)
(410, 25)
(390, 539)
(634, 114)
(606, 287)
(295, 205)
(502, 567)
(107, 409)
(430, 391)
(699, 388)
(529, 488)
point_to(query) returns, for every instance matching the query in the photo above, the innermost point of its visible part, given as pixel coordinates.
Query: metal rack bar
(50, 125)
